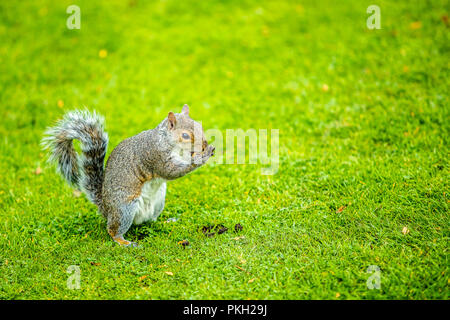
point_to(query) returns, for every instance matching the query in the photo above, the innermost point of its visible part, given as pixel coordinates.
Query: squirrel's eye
(186, 136)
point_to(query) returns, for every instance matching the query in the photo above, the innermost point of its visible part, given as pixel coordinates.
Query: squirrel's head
(188, 138)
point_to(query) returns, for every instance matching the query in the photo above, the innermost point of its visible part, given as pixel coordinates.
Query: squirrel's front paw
(200, 159)
(210, 150)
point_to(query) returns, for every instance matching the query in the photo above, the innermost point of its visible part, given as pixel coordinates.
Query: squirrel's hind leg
(119, 221)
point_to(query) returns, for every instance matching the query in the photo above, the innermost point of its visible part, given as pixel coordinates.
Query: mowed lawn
(363, 119)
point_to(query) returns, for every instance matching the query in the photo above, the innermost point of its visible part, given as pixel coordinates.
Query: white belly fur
(151, 201)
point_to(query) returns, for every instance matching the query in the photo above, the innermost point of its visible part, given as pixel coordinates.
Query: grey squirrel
(132, 186)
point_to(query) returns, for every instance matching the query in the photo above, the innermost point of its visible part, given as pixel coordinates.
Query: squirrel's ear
(185, 110)
(172, 120)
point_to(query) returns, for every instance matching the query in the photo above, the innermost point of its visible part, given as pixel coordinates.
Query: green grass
(358, 162)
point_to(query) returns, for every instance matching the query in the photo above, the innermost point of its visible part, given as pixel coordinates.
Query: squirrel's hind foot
(124, 243)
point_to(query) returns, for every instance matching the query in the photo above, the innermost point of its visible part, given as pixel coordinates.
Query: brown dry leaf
(415, 25)
(142, 278)
(239, 238)
(445, 20)
(251, 280)
(95, 263)
(38, 171)
(242, 269)
(168, 273)
(76, 193)
(405, 230)
(341, 209)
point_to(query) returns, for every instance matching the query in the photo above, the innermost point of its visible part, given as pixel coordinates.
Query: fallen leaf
(102, 53)
(251, 280)
(242, 260)
(341, 209)
(405, 230)
(86, 235)
(415, 25)
(325, 87)
(239, 238)
(168, 273)
(38, 171)
(445, 20)
(242, 269)
(338, 294)
(95, 263)
(142, 278)
(76, 193)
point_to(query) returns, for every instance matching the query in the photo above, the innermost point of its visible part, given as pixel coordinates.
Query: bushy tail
(84, 172)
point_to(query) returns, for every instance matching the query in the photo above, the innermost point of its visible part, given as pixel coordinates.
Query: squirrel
(131, 188)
